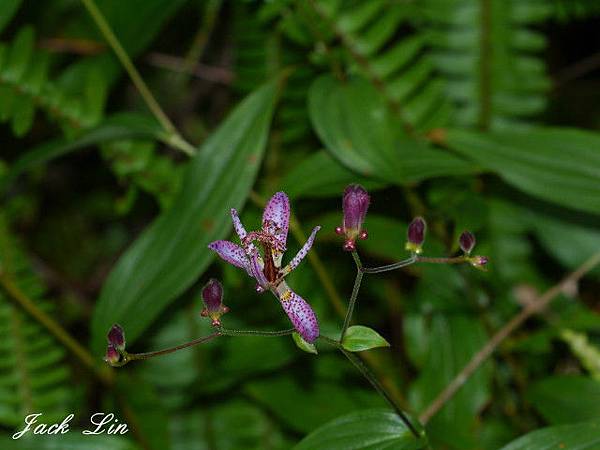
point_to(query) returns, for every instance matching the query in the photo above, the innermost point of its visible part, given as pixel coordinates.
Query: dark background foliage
(476, 114)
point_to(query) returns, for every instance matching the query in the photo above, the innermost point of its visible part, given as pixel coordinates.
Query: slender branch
(371, 378)
(175, 138)
(198, 70)
(479, 358)
(53, 327)
(140, 356)
(454, 260)
(229, 332)
(354, 296)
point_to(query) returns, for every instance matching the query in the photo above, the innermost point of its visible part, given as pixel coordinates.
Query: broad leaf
(319, 175)
(171, 253)
(365, 430)
(558, 165)
(566, 399)
(583, 436)
(359, 338)
(357, 128)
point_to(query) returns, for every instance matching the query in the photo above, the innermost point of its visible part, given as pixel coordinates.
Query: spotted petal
(302, 252)
(255, 269)
(237, 224)
(300, 313)
(230, 252)
(277, 212)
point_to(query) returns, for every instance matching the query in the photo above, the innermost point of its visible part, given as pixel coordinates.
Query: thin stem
(354, 295)
(394, 266)
(140, 356)
(175, 138)
(482, 355)
(454, 260)
(371, 378)
(229, 332)
(53, 327)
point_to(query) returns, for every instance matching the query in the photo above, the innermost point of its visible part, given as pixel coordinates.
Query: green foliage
(368, 429)
(359, 338)
(576, 437)
(33, 373)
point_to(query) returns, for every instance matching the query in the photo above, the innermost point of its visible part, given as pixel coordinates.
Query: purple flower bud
(479, 262)
(116, 337)
(355, 204)
(466, 242)
(112, 356)
(416, 235)
(212, 295)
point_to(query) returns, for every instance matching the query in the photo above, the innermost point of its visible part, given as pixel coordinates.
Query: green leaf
(172, 252)
(303, 345)
(8, 9)
(558, 165)
(359, 338)
(453, 340)
(365, 430)
(356, 126)
(319, 175)
(566, 399)
(582, 436)
(313, 403)
(119, 126)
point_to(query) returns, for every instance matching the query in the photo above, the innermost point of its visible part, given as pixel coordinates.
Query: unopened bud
(479, 262)
(355, 204)
(116, 337)
(112, 357)
(212, 295)
(467, 242)
(416, 235)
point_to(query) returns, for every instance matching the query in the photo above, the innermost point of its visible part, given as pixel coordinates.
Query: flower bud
(112, 356)
(467, 242)
(479, 262)
(116, 337)
(416, 235)
(355, 204)
(212, 295)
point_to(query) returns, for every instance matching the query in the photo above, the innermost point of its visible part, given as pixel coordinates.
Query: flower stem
(455, 260)
(397, 265)
(228, 332)
(173, 136)
(128, 357)
(354, 295)
(364, 370)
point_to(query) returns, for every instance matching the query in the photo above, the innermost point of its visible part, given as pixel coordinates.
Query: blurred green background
(477, 114)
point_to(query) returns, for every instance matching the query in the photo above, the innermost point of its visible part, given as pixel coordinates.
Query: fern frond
(380, 43)
(489, 55)
(25, 87)
(33, 375)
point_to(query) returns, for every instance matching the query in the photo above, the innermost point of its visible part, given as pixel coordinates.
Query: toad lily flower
(266, 268)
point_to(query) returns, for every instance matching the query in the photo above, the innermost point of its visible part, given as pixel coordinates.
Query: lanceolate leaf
(366, 430)
(358, 129)
(359, 338)
(558, 165)
(583, 436)
(172, 252)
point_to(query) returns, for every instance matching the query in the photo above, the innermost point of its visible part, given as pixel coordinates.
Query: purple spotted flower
(260, 255)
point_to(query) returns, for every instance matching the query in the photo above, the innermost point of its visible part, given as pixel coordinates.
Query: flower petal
(302, 252)
(255, 269)
(230, 252)
(300, 313)
(277, 212)
(237, 224)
